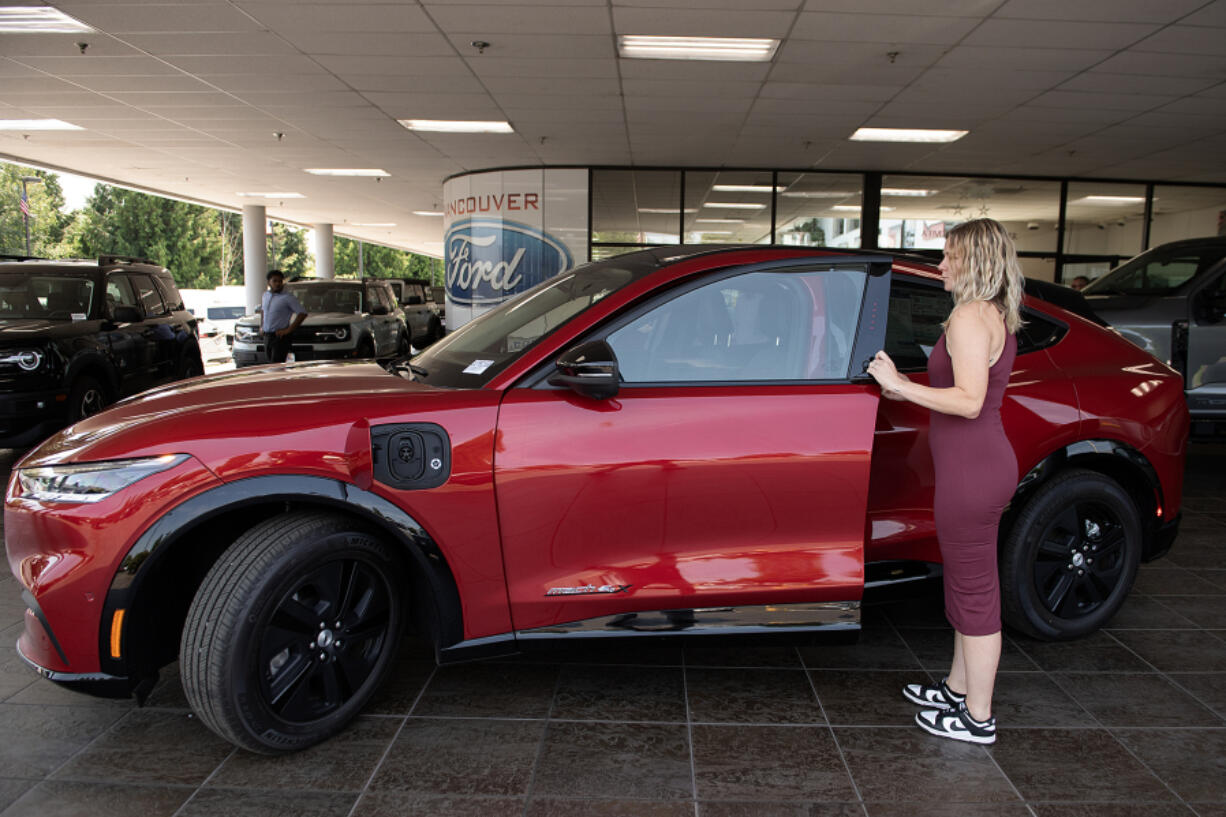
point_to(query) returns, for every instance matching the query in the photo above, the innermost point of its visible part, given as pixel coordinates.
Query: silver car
(1171, 301)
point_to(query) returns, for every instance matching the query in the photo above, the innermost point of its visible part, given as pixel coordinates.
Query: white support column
(324, 259)
(255, 255)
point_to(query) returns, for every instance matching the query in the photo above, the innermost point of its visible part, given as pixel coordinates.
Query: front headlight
(25, 359)
(91, 481)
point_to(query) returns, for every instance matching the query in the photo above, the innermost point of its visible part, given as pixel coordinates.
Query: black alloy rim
(1080, 560)
(92, 402)
(324, 640)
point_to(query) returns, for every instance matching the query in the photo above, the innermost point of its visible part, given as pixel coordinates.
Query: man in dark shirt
(282, 314)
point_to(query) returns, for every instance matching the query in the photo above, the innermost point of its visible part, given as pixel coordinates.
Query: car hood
(261, 407)
(314, 318)
(31, 330)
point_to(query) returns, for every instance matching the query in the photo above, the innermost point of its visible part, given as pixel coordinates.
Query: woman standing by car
(974, 464)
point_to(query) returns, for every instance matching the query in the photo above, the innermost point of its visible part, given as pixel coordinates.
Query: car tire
(1070, 556)
(292, 631)
(86, 397)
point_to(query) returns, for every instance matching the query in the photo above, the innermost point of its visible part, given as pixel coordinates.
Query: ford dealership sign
(489, 260)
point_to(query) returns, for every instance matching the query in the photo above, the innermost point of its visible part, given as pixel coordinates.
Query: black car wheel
(86, 397)
(1070, 556)
(292, 631)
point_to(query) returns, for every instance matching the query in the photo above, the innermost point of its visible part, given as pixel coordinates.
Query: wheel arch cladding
(162, 571)
(1111, 458)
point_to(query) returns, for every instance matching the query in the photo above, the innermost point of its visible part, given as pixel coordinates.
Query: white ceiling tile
(870, 28)
(815, 92)
(702, 22)
(1170, 65)
(133, 18)
(1108, 11)
(348, 16)
(1213, 14)
(972, 58)
(1103, 82)
(1083, 100)
(959, 8)
(1057, 34)
(210, 44)
(494, 21)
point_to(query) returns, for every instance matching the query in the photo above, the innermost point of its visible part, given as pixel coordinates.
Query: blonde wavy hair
(991, 271)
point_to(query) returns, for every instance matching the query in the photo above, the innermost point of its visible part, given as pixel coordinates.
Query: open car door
(724, 485)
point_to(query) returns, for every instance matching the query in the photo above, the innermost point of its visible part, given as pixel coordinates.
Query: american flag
(25, 205)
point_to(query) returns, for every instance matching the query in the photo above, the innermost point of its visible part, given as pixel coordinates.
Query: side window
(119, 293)
(756, 326)
(147, 295)
(170, 293)
(914, 323)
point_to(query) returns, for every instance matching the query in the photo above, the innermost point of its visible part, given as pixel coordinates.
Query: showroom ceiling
(206, 100)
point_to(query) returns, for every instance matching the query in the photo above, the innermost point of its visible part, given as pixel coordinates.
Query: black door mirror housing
(589, 369)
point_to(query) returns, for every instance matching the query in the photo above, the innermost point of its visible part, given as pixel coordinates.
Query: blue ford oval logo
(489, 260)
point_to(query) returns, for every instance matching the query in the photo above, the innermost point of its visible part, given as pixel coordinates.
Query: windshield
(226, 313)
(52, 297)
(326, 298)
(473, 354)
(1161, 271)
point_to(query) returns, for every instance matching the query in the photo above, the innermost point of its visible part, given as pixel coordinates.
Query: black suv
(78, 335)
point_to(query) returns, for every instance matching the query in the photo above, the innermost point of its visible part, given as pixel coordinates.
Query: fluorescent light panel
(906, 135)
(38, 20)
(457, 126)
(346, 171)
(37, 124)
(724, 49)
(1110, 200)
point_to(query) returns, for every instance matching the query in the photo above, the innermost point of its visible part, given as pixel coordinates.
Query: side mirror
(589, 369)
(127, 314)
(378, 309)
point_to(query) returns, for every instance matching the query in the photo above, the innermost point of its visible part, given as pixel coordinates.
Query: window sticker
(478, 366)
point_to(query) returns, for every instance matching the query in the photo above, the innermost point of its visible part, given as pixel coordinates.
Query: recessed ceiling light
(38, 20)
(742, 188)
(738, 49)
(1110, 200)
(734, 205)
(427, 212)
(346, 171)
(905, 191)
(374, 224)
(719, 221)
(457, 125)
(37, 124)
(820, 194)
(664, 210)
(258, 195)
(906, 135)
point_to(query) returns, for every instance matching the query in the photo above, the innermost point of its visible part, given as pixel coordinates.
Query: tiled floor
(1128, 723)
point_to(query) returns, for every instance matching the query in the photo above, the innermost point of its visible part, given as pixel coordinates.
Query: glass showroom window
(1187, 212)
(916, 211)
(633, 208)
(728, 207)
(818, 209)
(1103, 226)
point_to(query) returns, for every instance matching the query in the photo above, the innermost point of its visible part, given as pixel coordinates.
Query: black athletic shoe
(939, 696)
(956, 724)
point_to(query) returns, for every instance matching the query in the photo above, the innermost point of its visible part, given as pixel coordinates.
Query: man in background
(282, 314)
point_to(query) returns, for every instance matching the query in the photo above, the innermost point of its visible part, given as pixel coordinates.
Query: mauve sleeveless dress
(976, 475)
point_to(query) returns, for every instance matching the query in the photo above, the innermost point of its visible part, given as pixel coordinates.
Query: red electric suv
(673, 442)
